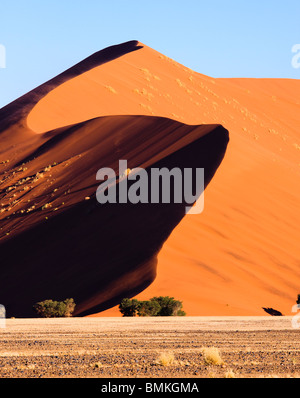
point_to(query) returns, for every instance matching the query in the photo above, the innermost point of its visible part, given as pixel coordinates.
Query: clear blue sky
(220, 38)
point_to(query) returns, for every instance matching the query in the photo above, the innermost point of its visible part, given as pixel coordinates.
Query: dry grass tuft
(229, 374)
(165, 359)
(212, 356)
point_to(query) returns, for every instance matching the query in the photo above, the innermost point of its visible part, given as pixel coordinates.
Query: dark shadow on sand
(98, 254)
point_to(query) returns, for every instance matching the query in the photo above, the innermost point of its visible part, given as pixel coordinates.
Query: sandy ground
(134, 347)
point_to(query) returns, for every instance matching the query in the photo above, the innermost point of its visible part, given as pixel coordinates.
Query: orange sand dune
(56, 240)
(242, 253)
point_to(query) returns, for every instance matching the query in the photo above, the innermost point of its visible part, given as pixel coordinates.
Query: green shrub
(156, 306)
(148, 308)
(168, 306)
(55, 309)
(129, 307)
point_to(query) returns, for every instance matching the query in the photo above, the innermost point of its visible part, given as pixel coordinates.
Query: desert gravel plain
(249, 347)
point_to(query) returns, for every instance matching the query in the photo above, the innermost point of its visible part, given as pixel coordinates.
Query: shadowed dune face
(62, 245)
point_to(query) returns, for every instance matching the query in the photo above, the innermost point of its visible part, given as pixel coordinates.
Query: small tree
(53, 309)
(148, 308)
(129, 307)
(168, 306)
(69, 307)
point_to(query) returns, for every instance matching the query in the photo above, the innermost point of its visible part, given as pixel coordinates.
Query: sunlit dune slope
(56, 239)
